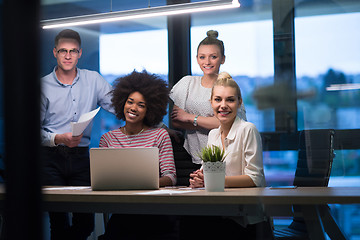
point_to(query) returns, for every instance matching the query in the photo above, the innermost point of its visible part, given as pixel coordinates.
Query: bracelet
(195, 120)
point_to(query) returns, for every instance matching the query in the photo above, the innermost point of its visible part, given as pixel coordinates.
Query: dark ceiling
(250, 10)
(66, 8)
(51, 9)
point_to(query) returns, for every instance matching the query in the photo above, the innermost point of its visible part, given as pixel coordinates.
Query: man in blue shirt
(67, 93)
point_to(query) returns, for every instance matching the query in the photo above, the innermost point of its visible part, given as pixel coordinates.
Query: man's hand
(68, 139)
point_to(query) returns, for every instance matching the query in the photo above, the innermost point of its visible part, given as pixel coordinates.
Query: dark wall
(1, 99)
(21, 95)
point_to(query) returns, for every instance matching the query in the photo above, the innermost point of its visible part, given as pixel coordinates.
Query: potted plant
(213, 168)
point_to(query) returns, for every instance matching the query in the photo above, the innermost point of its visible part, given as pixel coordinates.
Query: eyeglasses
(63, 52)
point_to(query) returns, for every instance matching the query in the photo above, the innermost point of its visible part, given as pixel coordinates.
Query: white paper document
(166, 192)
(66, 188)
(77, 128)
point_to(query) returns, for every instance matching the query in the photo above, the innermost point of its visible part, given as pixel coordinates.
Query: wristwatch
(195, 120)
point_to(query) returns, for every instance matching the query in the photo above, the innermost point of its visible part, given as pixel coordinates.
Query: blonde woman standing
(192, 111)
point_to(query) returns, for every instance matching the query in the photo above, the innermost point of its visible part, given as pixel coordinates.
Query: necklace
(133, 136)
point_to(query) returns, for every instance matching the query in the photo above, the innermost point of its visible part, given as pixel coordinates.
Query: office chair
(183, 163)
(315, 157)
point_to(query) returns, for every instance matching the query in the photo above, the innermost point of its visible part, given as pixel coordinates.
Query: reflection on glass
(279, 167)
(327, 56)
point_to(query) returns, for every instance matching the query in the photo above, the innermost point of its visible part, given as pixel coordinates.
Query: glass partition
(326, 35)
(327, 43)
(328, 70)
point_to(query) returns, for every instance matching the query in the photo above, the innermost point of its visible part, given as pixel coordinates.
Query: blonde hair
(224, 79)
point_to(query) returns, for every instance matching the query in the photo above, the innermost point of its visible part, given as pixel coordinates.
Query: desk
(313, 201)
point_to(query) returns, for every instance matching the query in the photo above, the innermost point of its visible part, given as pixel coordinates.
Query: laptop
(124, 168)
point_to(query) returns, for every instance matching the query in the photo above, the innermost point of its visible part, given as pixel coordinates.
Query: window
(328, 71)
(122, 53)
(249, 60)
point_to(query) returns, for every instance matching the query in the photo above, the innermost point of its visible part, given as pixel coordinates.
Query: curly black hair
(154, 89)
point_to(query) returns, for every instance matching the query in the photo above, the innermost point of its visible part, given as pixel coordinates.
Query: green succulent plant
(212, 154)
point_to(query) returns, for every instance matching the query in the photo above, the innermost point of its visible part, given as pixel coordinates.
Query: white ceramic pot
(214, 176)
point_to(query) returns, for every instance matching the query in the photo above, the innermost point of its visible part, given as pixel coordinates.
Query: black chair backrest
(315, 157)
(183, 163)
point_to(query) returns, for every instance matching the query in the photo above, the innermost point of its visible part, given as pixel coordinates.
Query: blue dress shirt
(64, 103)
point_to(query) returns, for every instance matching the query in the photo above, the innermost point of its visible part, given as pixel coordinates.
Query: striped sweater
(152, 137)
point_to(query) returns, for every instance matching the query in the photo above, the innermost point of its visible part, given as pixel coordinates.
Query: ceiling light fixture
(140, 13)
(344, 86)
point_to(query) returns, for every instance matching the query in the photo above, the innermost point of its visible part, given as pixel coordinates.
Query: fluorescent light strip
(140, 13)
(341, 87)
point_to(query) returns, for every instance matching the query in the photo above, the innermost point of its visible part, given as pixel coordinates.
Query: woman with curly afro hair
(153, 89)
(140, 99)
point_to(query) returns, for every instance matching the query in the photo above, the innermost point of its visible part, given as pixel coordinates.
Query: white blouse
(243, 150)
(244, 157)
(189, 95)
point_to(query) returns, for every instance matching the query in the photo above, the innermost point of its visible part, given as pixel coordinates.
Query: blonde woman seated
(244, 165)
(140, 99)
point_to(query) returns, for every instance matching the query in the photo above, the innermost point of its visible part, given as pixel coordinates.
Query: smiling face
(68, 61)
(225, 103)
(135, 108)
(209, 59)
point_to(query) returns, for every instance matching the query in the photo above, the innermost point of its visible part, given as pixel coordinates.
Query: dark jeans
(64, 166)
(139, 227)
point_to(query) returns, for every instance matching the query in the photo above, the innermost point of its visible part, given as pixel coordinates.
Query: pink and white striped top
(152, 137)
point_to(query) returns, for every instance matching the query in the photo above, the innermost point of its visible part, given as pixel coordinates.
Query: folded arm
(184, 120)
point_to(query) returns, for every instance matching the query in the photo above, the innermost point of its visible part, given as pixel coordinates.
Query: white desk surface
(185, 202)
(300, 195)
